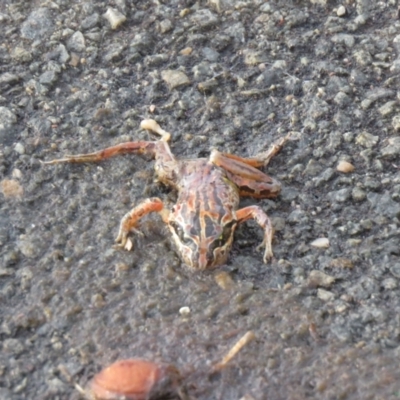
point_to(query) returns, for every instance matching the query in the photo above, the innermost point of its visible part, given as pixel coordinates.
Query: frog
(203, 220)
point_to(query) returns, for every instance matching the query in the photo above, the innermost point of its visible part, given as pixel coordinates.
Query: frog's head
(203, 241)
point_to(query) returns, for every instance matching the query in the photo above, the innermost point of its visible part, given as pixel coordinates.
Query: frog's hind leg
(261, 159)
(159, 149)
(122, 148)
(244, 174)
(249, 180)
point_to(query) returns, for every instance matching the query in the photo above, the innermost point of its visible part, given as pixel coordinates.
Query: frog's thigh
(236, 165)
(260, 160)
(249, 180)
(225, 158)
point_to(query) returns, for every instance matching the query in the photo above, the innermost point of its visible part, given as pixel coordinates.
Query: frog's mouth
(205, 257)
(203, 253)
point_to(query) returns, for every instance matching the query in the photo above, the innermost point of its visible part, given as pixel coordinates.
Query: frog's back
(203, 184)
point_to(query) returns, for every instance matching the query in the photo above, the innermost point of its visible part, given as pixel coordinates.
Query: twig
(243, 341)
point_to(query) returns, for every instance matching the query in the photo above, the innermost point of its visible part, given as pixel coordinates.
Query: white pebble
(174, 78)
(341, 11)
(19, 148)
(16, 173)
(114, 17)
(321, 243)
(325, 295)
(320, 279)
(184, 311)
(344, 166)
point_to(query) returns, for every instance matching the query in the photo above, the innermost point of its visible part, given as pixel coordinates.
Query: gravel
(77, 76)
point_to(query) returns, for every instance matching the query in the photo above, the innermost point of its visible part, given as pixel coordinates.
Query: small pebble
(389, 284)
(342, 307)
(11, 188)
(21, 55)
(38, 25)
(224, 280)
(341, 11)
(8, 78)
(97, 300)
(12, 346)
(114, 17)
(342, 263)
(19, 148)
(76, 42)
(318, 278)
(247, 397)
(365, 139)
(7, 118)
(321, 243)
(186, 51)
(344, 166)
(207, 86)
(358, 194)
(393, 147)
(121, 267)
(166, 26)
(396, 123)
(174, 78)
(325, 295)
(353, 242)
(184, 311)
(184, 12)
(74, 60)
(252, 57)
(388, 108)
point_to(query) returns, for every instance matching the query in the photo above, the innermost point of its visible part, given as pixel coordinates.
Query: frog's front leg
(130, 219)
(262, 219)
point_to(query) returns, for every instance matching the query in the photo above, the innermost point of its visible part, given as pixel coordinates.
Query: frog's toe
(122, 237)
(267, 257)
(125, 243)
(121, 240)
(268, 254)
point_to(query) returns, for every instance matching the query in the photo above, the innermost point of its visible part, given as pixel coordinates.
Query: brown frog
(206, 214)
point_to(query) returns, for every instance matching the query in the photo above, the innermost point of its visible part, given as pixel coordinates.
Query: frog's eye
(225, 235)
(177, 228)
(227, 231)
(179, 232)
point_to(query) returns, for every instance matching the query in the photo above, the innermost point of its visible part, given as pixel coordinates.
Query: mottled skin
(206, 214)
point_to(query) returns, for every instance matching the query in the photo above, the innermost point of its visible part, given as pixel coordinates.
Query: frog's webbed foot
(129, 221)
(79, 158)
(122, 241)
(262, 219)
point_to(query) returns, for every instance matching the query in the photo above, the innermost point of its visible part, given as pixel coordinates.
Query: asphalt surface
(219, 74)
